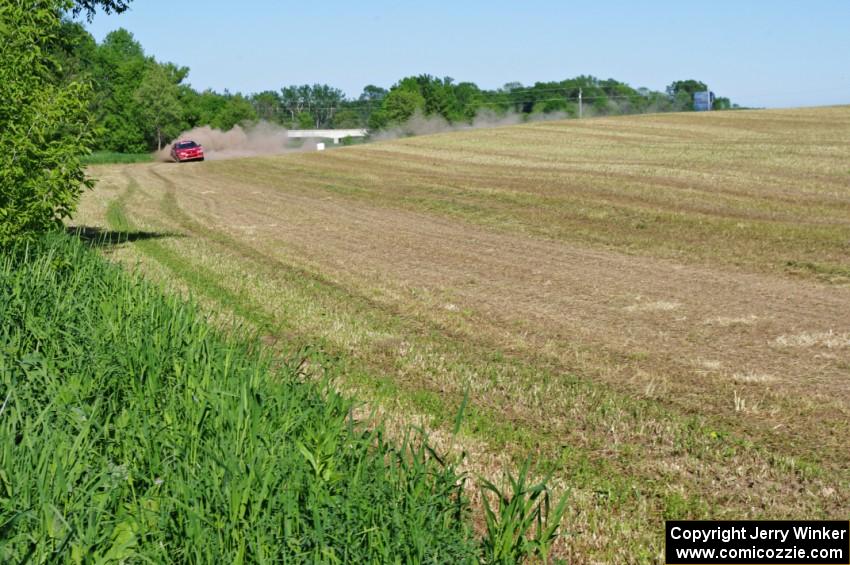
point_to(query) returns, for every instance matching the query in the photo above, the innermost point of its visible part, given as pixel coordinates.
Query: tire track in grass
(196, 276)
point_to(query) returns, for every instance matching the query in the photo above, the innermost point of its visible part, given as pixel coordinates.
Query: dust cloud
(262, 138)
(420, 124)
(265, 138)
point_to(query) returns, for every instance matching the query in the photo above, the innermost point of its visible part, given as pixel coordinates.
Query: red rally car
(187, 150)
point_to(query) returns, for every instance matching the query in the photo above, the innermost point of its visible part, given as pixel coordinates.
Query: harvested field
(656, 307)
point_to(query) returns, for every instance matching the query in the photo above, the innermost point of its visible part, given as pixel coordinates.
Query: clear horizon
(759, 56)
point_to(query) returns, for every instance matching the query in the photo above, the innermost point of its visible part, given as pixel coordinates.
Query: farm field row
(653, 307)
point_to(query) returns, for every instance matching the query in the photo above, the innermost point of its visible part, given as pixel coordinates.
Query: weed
(522, 524)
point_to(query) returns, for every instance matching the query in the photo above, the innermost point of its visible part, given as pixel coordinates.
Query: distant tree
(324, 102)
(377, 119)
(682, 93)
(368, 103)
(159, 104)
(236, 110)
(373, 94)
(347, 118)
(267, 104)
(204, 107)
(431, 96)
(514, 96)
(468, 99)
(295, 100)
(117, 71)
(174, 73)
(439, 95)
(123, 45)
(690, 86)
(722, 103)
(304, 120)
(319, 100)
(44, 125)
(682, 101)
(400, 105)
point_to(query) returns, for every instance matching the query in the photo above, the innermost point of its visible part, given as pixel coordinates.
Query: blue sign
(703, 101)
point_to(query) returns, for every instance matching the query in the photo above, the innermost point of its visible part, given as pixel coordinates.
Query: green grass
(130, 430)
(111, 157)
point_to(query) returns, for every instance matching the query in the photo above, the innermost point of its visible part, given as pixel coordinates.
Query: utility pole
(579, 103)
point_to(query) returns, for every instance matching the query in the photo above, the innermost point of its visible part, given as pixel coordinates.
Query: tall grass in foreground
(130, 431)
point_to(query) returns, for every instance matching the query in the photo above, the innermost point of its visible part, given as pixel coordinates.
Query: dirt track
(700, 328)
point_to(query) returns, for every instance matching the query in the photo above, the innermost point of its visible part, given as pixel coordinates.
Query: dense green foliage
(132, 431)
(44, 125)
(139, 104)
(682, 91)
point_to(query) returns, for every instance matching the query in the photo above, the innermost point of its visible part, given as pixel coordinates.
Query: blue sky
(771, 53)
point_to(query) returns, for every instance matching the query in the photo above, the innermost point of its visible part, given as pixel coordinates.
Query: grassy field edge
(133, 430)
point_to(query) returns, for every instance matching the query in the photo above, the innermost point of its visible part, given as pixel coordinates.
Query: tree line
(140, 104)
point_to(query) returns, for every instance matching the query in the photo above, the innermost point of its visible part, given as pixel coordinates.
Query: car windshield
(186, 145)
